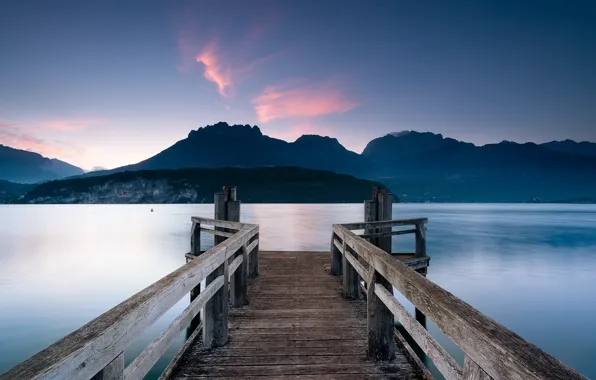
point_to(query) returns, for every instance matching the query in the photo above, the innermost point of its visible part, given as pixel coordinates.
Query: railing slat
(390, 233)
(236, 226)
(217, 232)
(500, 352)
(440, 357)
(234, 265)
(88, 350)
(473, 372)
(151, 354)
(357, 265)
(384, 223)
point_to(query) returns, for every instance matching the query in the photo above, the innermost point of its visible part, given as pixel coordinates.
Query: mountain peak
(224, 129)
(317, 139)
(416, 134)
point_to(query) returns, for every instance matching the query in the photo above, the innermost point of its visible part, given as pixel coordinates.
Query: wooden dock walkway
(305, 315)
(296, 325)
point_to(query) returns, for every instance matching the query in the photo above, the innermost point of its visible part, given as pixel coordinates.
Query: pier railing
(491, 350)
(96, 349)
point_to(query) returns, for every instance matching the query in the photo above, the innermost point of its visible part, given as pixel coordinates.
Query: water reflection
(531, 267)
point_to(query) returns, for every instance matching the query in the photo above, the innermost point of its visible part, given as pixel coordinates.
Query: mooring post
(195, 250)
(215, 333)
(421, 252)
(227, 207)
(253, 260)
(380, 320)
(215, 324)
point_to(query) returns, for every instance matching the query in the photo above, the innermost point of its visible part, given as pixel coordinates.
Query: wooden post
(421, 252)
(113, 371)
(380, 320)
(336, 258)
(238, 282)
(253, 261)
(370, 215)
(227, 207)
(381, 345)
(195, 249)
(215, 327)
(379, 209)
(351, 280)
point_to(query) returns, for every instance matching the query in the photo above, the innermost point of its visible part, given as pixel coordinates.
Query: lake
(530, 267)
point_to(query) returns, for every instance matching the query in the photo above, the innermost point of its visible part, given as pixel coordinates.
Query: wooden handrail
(490, 348)
(385, 223)
(94, 347)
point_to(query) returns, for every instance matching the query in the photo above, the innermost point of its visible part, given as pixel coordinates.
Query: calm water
(530, 267)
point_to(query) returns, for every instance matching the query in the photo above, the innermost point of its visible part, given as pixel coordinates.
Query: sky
(109, 83)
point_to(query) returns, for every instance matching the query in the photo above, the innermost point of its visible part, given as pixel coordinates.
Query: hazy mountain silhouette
(428, 166)
(28, 167)
(583, 148)
(222, 145)
(423, 166)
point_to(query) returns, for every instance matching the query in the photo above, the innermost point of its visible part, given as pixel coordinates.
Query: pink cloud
(215, 70)
(323, 98)
(225, 65)
(16, 137)
(70, 125)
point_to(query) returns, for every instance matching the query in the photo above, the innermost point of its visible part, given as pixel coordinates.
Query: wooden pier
(302, 315)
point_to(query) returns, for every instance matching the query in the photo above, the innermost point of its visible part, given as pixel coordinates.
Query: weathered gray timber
(297, 325)
(492, 351)
(96, 348)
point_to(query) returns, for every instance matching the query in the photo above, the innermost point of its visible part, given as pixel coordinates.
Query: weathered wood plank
(176, 359)
(236, 226)
(332, 376)
(488, 343)
(253, 257)
(293, 370)
(388, 223)
(420, 240)
(379, 321)
(195, 239)
(472, 371)
(291, 320)
(388, 233)
(217, 232)
(239, 279)
(235, 264)
(350, 276)
(336, 257)
(440, 357)
(357, 265)
(151, 354)
(215, 324)
(402, 344)
(89, 349)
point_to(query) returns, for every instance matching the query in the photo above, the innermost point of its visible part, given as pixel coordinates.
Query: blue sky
(108, 83)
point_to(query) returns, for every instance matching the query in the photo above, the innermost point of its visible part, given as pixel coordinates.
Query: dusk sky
(109, 83)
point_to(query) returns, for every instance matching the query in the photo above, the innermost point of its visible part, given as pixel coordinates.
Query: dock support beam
(215, 327)
(336, 258)
(380, 320)
(227, 207)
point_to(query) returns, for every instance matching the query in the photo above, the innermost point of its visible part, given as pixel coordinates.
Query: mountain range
(22, 166)
(419, 166)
